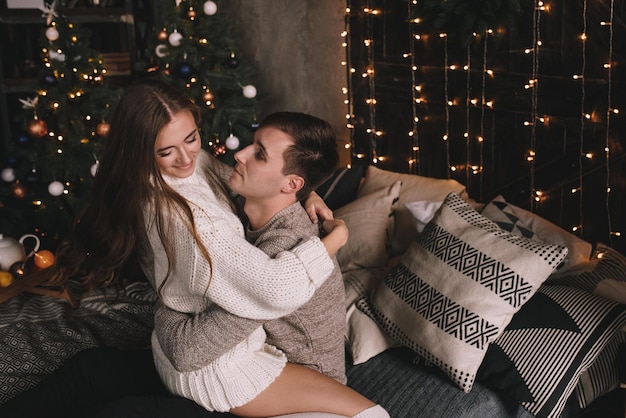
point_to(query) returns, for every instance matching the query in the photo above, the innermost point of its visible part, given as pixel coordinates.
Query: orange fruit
(43, 259)
(6, 278)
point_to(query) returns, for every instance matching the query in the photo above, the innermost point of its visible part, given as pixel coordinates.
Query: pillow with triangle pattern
(527, 224)
(551, 341)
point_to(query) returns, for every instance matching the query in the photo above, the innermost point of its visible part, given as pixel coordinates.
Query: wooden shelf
(78, 15)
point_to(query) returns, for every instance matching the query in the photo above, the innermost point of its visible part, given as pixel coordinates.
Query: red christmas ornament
(43, 259)
(219, 150)
(37, 128)
(19, 190)
(103, 128)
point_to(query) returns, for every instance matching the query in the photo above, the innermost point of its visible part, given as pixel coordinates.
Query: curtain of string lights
(467, 122)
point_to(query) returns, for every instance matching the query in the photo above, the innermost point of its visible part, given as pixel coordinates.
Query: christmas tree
(193, 45)
(48, 172)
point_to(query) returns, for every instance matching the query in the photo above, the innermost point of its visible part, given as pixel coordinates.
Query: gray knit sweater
(313, 335)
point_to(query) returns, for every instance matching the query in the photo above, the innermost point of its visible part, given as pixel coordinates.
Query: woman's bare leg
(300, 389)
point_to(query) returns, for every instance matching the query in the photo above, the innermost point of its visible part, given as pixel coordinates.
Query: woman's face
(177, 146)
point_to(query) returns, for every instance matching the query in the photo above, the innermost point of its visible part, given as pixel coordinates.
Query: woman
(152, 200)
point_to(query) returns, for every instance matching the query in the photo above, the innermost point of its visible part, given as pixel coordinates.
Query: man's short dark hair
(313, 154)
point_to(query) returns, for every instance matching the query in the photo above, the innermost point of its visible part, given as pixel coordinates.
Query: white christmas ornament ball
(94, 169)
(8, 175)
(52, 33)
(210, 8)
(232, 142)
(175, 38)
(55, 188)
(160, 50)
(249, 91)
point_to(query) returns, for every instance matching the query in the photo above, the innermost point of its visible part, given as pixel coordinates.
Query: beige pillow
(364, 338)
(370, 221)
(414, 188)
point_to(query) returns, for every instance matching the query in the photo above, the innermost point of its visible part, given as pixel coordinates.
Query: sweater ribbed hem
(318, 264)
(231, 381)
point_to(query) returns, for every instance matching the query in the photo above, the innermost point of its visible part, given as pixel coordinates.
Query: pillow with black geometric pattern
(527, 224)
(604, 274)
(456, 288)
(556, 336)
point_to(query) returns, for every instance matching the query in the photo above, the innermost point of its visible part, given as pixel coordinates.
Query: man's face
(258, 169)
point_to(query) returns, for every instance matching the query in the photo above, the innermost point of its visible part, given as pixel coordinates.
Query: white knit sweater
(240, 278)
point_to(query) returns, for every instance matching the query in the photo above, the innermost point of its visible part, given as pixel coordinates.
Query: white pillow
(423, 212)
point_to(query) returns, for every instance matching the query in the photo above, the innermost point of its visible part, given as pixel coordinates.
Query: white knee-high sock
(375, 411)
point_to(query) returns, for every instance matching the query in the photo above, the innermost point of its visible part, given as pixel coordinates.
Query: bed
(422, 338)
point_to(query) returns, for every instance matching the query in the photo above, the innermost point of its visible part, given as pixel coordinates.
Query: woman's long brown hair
(111, 232)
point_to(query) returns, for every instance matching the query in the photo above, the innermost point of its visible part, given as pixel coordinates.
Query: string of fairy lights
(483, 103)
(414, 160)
(609, 111)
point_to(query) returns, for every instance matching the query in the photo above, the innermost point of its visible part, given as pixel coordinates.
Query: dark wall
(295, 47)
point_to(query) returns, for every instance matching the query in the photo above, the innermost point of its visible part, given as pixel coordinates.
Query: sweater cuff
(315, 259)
